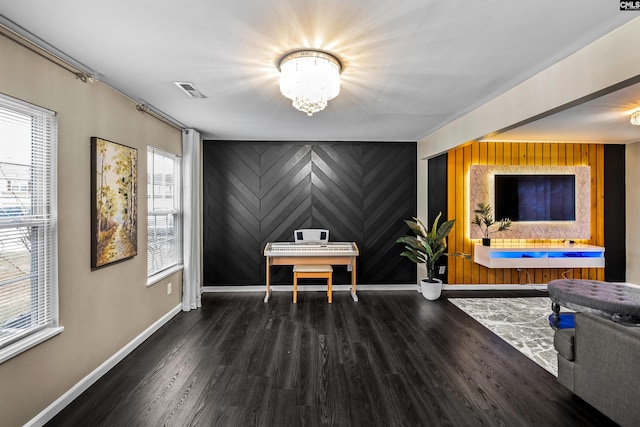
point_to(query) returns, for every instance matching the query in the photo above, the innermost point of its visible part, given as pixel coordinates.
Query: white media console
(539, 255)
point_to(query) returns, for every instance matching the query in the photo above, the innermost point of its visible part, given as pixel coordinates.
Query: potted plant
(426, 247)
(484, 219)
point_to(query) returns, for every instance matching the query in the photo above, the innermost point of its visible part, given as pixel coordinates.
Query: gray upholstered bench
(617, 301)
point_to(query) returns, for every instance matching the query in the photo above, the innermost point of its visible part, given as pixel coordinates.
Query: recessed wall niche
(482, 189)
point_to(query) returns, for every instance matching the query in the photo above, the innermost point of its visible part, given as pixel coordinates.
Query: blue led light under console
(518, 254)
(576, 254)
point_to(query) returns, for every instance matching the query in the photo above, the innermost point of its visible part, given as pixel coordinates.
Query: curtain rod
(158, 115)
(31, 42)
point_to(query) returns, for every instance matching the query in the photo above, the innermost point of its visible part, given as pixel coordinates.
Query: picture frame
(114, 202)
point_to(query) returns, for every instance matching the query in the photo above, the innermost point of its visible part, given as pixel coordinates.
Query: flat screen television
(535, 197)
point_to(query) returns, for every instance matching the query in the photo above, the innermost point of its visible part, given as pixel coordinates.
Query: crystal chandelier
(635, 118)
(310, 78)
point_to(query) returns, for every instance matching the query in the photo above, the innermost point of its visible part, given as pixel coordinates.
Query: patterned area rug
(522, 322)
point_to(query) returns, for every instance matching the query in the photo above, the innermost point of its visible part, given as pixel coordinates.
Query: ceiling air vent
(190, 90)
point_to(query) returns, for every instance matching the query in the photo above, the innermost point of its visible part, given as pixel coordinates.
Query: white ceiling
(410, 66)
(604, 119)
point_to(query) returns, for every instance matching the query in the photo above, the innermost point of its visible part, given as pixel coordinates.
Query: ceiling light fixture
(310, 78)
(635, 118)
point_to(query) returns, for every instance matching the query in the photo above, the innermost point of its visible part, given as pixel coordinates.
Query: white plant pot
(431, 290)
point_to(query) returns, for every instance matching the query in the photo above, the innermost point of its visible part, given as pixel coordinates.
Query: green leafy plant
(427, 246)
(484, 219)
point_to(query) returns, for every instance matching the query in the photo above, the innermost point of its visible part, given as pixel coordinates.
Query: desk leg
(353, 280)
(268, 281)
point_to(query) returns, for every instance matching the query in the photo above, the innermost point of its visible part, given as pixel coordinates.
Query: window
(164, 213)
(28, 227)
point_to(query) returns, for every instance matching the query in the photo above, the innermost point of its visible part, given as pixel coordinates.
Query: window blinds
(28, 237)
(164, 225)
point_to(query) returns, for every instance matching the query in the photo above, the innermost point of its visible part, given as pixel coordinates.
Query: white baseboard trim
(289, 288)
(403, 287)
(59, 404)
(496, 287)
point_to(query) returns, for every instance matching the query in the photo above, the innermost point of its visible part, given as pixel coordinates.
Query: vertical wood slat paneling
(491, 272)
(458, 235)
(524, 154)
(465, 218)
(499, 160)
(256, 192)
(452, 273)
(515, 276)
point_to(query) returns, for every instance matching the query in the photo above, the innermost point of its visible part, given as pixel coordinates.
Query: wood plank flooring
(391, 359)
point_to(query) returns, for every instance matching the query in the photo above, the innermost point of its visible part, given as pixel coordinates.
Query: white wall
(101, 310)
(604, 63)
(632, 163)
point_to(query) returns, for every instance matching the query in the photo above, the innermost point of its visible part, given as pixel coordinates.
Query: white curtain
(191, 298)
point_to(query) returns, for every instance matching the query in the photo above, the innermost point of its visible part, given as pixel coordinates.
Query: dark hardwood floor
(391, 359)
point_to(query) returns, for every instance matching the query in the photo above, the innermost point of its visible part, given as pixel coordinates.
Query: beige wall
(101, 310)
(632, 160)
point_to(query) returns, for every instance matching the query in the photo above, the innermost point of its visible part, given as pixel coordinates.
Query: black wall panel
(437, 200)
(614, 213)
(259, 192)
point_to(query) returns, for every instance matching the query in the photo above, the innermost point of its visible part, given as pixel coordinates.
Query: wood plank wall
(525, 154)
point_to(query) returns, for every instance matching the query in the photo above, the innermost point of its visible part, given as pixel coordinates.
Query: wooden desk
(290, 253)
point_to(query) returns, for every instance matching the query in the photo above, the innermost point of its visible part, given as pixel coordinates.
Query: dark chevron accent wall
(259, 192)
